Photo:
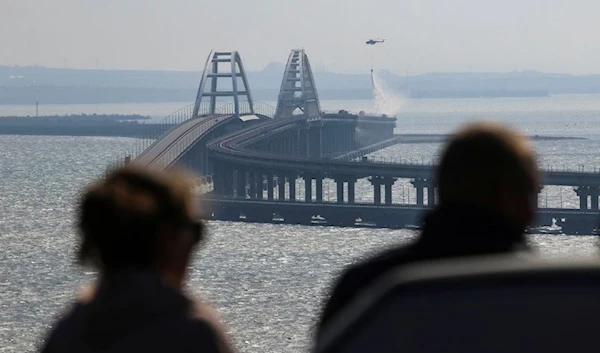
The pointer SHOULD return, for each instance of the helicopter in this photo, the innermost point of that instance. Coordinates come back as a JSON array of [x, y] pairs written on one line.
[[374, 41]]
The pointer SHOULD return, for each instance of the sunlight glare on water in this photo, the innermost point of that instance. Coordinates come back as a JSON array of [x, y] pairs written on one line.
[[267, 281]]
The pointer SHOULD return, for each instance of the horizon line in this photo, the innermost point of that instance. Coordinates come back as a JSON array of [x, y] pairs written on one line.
[[315, 70]]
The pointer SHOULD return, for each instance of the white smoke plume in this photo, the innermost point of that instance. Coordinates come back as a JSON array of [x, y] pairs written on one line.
[[387, 101]]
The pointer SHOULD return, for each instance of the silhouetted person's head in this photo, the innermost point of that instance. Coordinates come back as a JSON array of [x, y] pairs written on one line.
[[139, 219], [492, 167]]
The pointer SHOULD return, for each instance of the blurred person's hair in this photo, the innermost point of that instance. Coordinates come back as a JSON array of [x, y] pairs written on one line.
[[122, 216], [485, 162]]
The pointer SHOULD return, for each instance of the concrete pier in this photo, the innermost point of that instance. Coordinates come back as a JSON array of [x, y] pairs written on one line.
[[292, 183], [340, 190], [319, 185], [308, 189], [281, 185], [420, 185], [270, 186]]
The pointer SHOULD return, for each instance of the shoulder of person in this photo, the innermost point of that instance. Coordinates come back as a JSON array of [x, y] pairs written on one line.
[[354, 278], [207, 326], [62, 329], [379, 263]]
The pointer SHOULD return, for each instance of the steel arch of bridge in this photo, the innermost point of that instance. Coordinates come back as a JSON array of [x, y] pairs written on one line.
[[211, 72], [298, 90]]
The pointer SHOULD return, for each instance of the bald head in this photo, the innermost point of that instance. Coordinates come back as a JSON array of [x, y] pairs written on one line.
[[490, 166]]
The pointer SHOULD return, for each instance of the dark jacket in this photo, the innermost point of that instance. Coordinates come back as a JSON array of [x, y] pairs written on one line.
[[450, 231], [136, 312]]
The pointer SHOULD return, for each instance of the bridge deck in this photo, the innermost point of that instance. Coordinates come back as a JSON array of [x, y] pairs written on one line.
[[167, 148], [230, 149], [361, 152]]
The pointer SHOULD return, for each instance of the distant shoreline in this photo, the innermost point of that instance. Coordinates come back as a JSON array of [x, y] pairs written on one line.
[[121, 125], [70, 118], [24, 85], [454, 94], [440, 138], [117, 95]]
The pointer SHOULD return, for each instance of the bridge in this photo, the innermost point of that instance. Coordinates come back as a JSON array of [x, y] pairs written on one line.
[[183, 144], [249, 149]]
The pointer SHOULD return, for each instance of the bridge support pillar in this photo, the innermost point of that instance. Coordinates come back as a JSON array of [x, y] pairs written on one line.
[[258, 179], [583, 192], [431, 194], [388, 183], [319, 185], [241, 184], [281, 186], [227, 180], [292, 181], [420, 185], [252, 184], [536, 202], [583, 202], [351, 181], [351, 190], [270, 186], [376, 182], [340, 190], [217, 179], [594, 194], [377, 193], [307, 188]]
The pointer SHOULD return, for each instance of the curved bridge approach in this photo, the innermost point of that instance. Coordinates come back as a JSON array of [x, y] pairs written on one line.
[[251, 161], [184, 144]]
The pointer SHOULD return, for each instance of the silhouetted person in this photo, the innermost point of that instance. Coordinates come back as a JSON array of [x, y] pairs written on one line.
[[138, 229], [487, 192]]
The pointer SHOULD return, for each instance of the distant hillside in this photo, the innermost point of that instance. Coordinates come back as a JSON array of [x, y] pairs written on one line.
[[268, 78], [25, 85], [512, 81]]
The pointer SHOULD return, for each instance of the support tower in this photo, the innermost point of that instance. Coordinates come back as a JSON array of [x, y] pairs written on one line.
[[234, 69], [298, 91]]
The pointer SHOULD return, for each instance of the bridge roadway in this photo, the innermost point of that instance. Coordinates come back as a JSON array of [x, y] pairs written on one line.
[[172, 145], [165, 149], [381, 216], [348, 156], [232, 150]]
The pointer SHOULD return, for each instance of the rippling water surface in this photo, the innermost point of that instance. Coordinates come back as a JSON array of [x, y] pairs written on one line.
[[266, 280]]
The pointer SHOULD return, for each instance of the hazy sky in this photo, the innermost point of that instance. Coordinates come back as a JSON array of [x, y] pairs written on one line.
[[421, 35]]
